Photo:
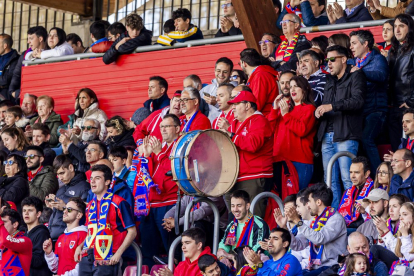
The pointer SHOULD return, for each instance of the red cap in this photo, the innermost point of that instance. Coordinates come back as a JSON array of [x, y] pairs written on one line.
[[243, 96], [12, 205], [177, 93]]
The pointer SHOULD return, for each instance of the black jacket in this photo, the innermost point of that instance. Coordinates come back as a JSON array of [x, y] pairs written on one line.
[[38, 235], [361, 13], [347, 98], [402, 77], [157, 104], [78, 156], [144, 39], [49, 154], [302, 44], [123, 140], [233, 31], [6, 77], [14, 188], [77, 187], [17, 74]]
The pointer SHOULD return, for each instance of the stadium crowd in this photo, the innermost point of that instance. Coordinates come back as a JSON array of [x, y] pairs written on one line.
[[75, 196]]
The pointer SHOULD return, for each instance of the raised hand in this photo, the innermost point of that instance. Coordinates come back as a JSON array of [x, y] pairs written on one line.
[[279, 218]]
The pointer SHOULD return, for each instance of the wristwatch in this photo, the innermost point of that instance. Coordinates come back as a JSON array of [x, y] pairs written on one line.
[[300, 223]]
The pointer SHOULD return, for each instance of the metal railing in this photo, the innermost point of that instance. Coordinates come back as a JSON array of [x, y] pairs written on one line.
[[139, 258], [332, 162], [171, 252], [266, 195]]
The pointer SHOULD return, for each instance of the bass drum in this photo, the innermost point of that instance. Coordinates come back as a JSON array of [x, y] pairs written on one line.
[[205, 163]]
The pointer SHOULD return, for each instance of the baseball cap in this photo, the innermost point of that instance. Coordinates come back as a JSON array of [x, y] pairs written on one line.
[[177, 93], [377, 194], [12, 205], [243, 96]]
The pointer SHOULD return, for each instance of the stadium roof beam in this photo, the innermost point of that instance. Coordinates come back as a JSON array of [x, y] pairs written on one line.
[[81, 7]]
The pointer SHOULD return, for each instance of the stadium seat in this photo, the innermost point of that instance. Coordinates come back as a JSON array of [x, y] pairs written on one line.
[[155, 268], [132, 270]]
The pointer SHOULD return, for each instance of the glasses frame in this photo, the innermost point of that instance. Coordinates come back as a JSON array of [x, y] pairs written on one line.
[[70, 209], [335, 58]]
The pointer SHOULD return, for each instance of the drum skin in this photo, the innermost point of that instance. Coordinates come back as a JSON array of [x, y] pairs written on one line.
[[205, 163]]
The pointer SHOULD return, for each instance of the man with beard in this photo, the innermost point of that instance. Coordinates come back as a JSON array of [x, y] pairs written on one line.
[[42, 180], [62, 261]]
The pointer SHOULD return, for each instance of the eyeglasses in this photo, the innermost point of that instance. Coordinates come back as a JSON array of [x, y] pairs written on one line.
[[234, 77], [88, 127], [186, 100], [332, 59], [91, 150], [69, 209], [163, 127], [266, 41], [228, 5], [31, 156], [397, 160], [382, 173], [286, 21], [9, 162]]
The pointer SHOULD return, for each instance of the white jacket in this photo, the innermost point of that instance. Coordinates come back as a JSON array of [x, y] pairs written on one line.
[[92, 112], [62, 50], [406, 245]]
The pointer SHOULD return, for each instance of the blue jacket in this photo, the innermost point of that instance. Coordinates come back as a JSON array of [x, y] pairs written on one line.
[[288, 265], [398, 186], [308, 18], [157, 104], [129, 177], [361, 13], [376, 72]]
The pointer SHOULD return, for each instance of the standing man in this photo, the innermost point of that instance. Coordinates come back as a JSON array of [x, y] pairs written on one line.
[[309, 67], [355, 12], [8, 61], [268, 44], [226, 117], [157, 94], [192, 119], [227, 27]]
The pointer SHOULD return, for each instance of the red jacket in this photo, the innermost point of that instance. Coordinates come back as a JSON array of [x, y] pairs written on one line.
[[254, 142], [161, 164], [263, 82], [16, 253], [188, 268], [200, 122], [102, 47], [229, 117], [294, 134], [151, 125]]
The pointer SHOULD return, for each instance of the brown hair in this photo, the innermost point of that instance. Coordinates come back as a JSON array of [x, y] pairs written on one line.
[[350, 263], [343, 40], [410, 207], [13, 132], [50, 101], [306, 90], [390, 174], [16, 111], [134, 21]]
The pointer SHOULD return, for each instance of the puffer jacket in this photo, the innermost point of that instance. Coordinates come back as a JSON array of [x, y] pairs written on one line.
[[53, 122], [14, 189], [92, 112], [122, 140], [44, 183], [6, 77]]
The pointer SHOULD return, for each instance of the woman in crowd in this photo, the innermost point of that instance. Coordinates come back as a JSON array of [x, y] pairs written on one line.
[[14, 187], [57, 44], [383, 176], [341, 39], [47, 116], [294, 126], [387, 34], [404, 247], [238, 76], [242, 267], [320, 42], [118, 134], [14, 141]]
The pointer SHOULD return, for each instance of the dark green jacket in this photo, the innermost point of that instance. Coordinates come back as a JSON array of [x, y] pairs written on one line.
[[44, 183], [53, 122]]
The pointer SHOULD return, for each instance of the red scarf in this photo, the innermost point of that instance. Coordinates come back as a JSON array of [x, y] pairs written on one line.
[[31, 175], [410, 143], [285, 49], [245, 234]]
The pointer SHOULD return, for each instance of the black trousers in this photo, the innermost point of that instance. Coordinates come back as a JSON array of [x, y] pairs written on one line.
[[87, 267], [395, 126]]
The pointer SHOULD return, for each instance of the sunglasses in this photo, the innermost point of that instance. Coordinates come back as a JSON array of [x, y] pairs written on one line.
[[69, 209], [228, 5], [332, 59], [266, 41], [9, 162], [88, 127], [31, 156]]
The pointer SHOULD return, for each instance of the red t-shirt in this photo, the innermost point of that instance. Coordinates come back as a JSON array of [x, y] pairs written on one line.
[[229, 116]]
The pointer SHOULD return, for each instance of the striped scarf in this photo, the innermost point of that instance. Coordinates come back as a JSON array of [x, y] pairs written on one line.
[[295, 10], [285, 49]]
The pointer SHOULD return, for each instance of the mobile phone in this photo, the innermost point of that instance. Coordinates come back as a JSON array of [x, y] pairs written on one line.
[[207, 95], [341, 259], [49, 199]]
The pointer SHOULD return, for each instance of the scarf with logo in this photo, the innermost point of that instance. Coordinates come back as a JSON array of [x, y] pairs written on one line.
[[360, 62], [295, 10], [31, 175], [285, 49], [245, 235]]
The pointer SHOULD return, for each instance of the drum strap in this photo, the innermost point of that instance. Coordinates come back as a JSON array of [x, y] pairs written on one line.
[[177, 213]]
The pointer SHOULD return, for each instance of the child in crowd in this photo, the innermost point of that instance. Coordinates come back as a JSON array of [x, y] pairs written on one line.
[[14, 117], [404, 248], [240, 264], [387, 35], [357, 264]]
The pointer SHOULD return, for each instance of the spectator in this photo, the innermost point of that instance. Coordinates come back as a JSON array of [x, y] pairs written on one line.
[[240, 263], [262, 79], [136, 36], [209, 266], [294, 126], [14, 141], [100, 43], [268, 45], [309, 67], [284, 82], [140, 115], [37, 233], [4, 105], [383, 176], [320, 43], [18, 248], [238, 76], [42, 180], [115, 31], [76, 43], [341, 116], [37, 39], [355, 12], [193, 81], [61, 261], [14, 186], [246, 229], [255, 170], [190, 106], [401, 74], [120, 223], [119, 134], [47, 116], [312, 13], [343, 40], [41, 137], [14, 118], [292, 43], [379, 11], [94, 152], [9, 58], [387, 35], [57, 44], [408, 128], [28, 106], [157, 94], [277, 6], [375, 68], [118, 157], [226, 117], [402, 165], [227, 27], [74, 185]]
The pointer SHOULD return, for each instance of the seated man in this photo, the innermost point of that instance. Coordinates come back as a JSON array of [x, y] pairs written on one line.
[[192, 119], [16, 247], [236, 233], [76, 42], [226, 117], [293, 42], [127, 43], [42, 179], [29, 106], [227, 21], [100, 44], [40, 138], [408, 128], [115, 31], [157, 94], [355, 12], [9, 60], [61, 262], [402, 164], [350, 205], [311, 12]]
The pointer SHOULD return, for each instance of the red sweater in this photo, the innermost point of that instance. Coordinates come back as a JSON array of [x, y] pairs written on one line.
[[229, 117], [294, 134], [151, 125], [200, 122], [16, 253], [263, 82], [188, 268], [254, 142]]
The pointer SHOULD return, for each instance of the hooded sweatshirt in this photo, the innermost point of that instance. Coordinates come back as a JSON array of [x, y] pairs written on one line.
[[189, 268], [38, 235]]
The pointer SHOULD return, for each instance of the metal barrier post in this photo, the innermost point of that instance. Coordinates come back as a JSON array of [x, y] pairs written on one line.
[[332, 162], [139, 258], [171, 252], [264, 195], [216, 214]]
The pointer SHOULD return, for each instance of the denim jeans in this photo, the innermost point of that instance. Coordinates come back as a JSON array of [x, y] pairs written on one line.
[[305, 172], [340, 167], [314, 272], [373, 125]]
